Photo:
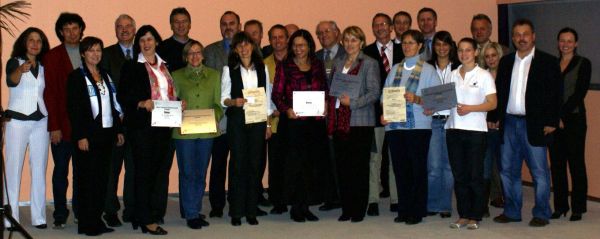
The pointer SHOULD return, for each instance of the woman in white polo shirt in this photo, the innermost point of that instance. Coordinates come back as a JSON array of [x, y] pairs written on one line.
[[465, 134]]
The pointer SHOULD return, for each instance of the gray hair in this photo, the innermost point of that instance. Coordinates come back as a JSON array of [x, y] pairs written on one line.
[[333, 24], [124, 16]]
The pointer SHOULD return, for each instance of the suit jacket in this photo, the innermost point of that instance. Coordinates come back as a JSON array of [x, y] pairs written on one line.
[[373, 52], [215, 57], [542, 95], [133, 88], [83, 123], [363, 109], [113, 59], [57, 67]]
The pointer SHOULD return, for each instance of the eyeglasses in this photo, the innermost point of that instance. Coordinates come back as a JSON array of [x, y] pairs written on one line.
[[194, 53]]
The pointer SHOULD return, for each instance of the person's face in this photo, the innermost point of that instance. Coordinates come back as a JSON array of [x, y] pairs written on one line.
[[254, 32], [491, 58], [401, 24], [481, 30], [427, 23], [466, 53], [71, 32], [148, 44], [181, 25], [125, 30], [194, 55], [410, 47], [327, 34], [229, 26], [33, 44], [523, 38], [300, 47], [352, 44], [244, 50], [567, 43], [278, 40], [441, 48], [381, 29], [93, 55]]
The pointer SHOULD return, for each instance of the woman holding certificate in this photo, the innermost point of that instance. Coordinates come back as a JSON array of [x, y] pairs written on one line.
[[245, 85], [144, 80], [466, 134], [200, 87], [302, 74], [351, 121], [409, 140], [95, 119]]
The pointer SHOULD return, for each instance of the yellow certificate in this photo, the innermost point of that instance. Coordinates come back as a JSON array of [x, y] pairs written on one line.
[[199, 121], [255, 108], [394, 104]]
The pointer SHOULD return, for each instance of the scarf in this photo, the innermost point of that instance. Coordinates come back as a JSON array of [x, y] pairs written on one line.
[[411, 86], [339, 119], [154, 87], [94, 97]]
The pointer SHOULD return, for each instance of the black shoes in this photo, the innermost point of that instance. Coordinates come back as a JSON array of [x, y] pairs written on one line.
[[296, 214], [400, 219], [260, 212], [343, 218], [557, 214], [216, 213], [158, 231], [357, 219], [445, 214], [413, 220], [329, 206], [252, 221], [41, 226], [279, 209], [310, 216], [538, 222], [236, 221], [112, 220], [505, 219], [575, 217], [373, 209], [197, 223]]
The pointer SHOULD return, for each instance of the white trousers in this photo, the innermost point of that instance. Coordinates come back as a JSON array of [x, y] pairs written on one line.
[[20, 134], [375, 170]]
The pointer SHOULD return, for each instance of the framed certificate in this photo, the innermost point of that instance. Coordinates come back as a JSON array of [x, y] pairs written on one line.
[[255, 108], [394, 104], [166, 114], [199, 121], [441, 97], [309, 103], [345, 84]]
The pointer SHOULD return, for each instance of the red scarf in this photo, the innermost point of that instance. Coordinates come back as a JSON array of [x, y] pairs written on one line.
[[154, 87]]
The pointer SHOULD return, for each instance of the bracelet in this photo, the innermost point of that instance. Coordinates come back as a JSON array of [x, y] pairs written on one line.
[[268, 126]]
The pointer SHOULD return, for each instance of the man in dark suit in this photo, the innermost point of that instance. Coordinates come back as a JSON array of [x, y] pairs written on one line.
[[215, 56], [113, 58], [329, 36], [528, 85], [387, 53]]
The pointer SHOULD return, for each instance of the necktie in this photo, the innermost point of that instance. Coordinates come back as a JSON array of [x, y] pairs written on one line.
[[427, 49], [128, 54], [384, 59], [328, 62]]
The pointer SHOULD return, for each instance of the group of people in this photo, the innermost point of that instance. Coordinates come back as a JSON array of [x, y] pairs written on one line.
[[94, 104]]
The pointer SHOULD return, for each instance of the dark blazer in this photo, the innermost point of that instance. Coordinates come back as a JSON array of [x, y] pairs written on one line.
[[373, 52], [542, 96], [83, 124], [113, 59], [133, 88]]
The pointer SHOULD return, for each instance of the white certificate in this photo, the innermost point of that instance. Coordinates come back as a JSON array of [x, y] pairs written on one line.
[[394, 104], [309, 103], [255, 108], [199, 121], [166, 113]]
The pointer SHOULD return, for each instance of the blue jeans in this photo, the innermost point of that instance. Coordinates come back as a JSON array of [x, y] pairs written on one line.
[[61, 153], [516, 147], [439, 174], [192, 160]]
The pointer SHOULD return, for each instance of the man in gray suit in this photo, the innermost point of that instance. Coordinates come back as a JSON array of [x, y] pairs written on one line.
[[329, 36], [215, 56]]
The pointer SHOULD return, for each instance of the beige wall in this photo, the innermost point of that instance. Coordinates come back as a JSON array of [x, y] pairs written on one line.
[[99, 17]]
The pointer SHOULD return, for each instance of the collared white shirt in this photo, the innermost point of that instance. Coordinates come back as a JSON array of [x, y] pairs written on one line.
[[398, 41], [332, 51], [107, 119], [445, 75], [125, 48], [249, 80], [471, 90], [162, 79], [389, 51], [518, 84]]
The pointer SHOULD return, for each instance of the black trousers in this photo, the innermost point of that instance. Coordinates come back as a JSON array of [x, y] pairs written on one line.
[[352, 160], [307, 150], [152, 163], [466, 152], [92, 169], [121, 156], [408, 151], [218, 173], [569, 147], [246, 142], [277, 150]]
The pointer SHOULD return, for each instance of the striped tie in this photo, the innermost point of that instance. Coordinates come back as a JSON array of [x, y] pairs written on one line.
[[384, 59]]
